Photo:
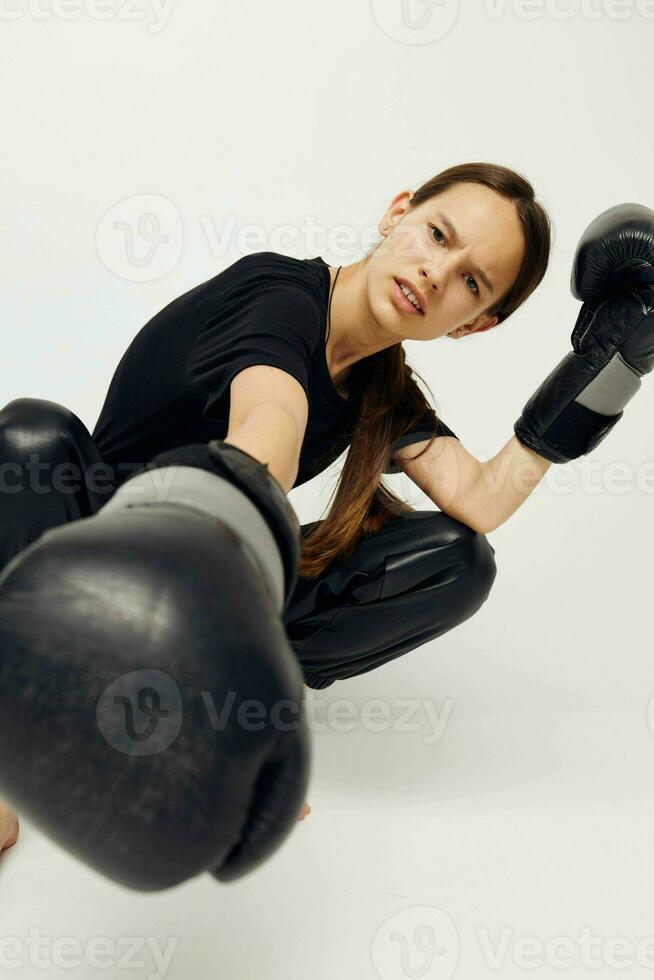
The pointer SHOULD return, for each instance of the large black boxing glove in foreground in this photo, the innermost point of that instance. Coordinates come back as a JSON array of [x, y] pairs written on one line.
[[613, 340], [150, 703]]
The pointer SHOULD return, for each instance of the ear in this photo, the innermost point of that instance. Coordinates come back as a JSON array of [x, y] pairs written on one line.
[[482, 322], [395, 211]]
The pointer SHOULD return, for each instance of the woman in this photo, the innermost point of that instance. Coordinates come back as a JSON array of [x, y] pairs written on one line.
[[292, 361]]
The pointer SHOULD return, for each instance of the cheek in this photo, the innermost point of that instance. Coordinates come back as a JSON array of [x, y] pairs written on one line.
[[454, 308], [454, 301], [378, 295], [406, 243], [378, 288]]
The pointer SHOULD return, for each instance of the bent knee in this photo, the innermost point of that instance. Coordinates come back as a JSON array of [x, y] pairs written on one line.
[[482, 566], [35, 425], [477, 554], [462, 548]]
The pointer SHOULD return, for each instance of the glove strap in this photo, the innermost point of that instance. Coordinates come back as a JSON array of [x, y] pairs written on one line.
[[576, 407], [193, 477]]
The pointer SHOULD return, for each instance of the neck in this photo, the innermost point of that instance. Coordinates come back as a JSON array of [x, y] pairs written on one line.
[[354, 333]]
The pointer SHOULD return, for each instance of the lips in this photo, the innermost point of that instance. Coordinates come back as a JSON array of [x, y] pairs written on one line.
[[416, 292]]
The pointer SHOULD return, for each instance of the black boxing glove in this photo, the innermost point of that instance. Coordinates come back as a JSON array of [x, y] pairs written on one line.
[[583, 398], [616, 251], [151, 717]]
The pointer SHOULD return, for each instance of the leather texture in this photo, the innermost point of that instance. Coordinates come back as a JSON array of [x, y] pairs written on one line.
[[584, 396], [422, 574], [151, 707], [152, 821], [616, 250], [450, 567]]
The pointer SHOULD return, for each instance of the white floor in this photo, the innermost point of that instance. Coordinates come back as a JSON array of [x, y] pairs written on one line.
[[517, 838]]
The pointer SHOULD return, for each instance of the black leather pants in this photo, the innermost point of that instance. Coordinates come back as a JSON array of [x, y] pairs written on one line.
[[421, 575]]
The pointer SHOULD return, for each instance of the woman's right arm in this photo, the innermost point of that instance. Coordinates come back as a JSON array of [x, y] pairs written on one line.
[[267, 418], [268, 414]]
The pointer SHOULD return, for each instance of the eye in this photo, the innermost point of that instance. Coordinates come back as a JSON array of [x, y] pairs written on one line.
[[439, 241], [475, 287]]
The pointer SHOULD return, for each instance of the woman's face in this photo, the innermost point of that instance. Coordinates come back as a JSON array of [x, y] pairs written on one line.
[[461, 250]]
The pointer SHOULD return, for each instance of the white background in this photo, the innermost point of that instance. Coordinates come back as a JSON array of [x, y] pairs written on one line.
[[533, 812]]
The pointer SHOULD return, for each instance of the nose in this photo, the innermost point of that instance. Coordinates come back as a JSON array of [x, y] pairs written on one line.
[[434, 275]]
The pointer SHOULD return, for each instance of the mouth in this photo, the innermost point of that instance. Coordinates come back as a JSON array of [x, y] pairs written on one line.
[[401, 287]]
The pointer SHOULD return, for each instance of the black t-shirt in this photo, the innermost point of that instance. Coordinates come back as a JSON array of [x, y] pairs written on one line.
[[171, 386]]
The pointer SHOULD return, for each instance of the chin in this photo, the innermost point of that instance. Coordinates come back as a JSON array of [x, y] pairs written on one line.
[[387, 318]]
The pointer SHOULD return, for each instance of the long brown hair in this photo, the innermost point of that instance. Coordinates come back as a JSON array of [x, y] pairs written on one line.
[[391, 401]]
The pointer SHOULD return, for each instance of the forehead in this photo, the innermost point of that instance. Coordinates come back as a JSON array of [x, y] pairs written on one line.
[[473, 205]]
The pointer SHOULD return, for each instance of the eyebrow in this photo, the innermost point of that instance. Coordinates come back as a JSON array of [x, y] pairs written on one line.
[[452, 232]]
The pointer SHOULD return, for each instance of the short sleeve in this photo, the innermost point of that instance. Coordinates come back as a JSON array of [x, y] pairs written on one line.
[[429, 425], [280, 325]]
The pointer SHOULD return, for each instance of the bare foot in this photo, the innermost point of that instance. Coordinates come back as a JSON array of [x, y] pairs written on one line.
[[9, 827]]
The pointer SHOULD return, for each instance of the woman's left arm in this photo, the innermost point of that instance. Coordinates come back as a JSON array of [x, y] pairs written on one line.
[[482, 495], [581, 399]]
